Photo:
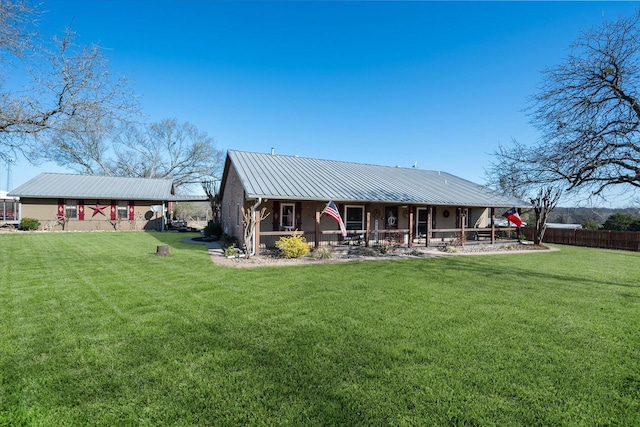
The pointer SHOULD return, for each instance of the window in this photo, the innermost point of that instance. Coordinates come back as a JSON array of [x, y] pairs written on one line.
[[464, 213], [71, 209], [287, 216], [354, 217], [421, 223], [123, 210]]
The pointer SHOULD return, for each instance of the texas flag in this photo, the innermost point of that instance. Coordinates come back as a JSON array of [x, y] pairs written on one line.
[[512, 215]]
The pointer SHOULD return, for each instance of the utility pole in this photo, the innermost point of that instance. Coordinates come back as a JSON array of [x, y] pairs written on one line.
[[10, 162]]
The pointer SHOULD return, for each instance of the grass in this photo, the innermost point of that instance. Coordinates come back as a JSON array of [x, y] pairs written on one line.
[[96, 330]]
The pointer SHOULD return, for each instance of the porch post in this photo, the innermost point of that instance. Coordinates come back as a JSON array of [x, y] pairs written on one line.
[[367, 223], [411, 224], [462, 220], [317, 234], [428, 236], [493, 225]]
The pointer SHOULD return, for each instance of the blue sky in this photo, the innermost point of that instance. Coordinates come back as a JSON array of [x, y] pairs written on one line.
[[439, 84]]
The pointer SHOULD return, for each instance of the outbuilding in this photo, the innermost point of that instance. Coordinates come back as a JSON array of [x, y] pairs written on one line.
[[91, 202]]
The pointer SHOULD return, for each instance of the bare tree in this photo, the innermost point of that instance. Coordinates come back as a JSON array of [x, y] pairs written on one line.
[[250, 219], [68, 89], [16, 31], [588, 111], [211, 190], [167, 149], [543, 203], [514, 172]]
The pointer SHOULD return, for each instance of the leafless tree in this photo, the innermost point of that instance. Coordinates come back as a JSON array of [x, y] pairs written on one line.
[[515, 173], [543, 203], [211, 190], [250, 219], [167, 149], [588, 112], [62, 87]]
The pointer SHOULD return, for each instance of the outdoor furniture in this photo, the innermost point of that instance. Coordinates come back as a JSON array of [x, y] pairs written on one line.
[[353, 239], [484, 234]]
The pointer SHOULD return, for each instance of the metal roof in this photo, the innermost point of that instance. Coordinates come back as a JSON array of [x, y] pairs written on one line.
[[73, 186], [292, 177]]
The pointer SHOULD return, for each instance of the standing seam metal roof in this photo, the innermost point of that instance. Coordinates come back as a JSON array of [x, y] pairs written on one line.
[[73, 186], [292, 177]]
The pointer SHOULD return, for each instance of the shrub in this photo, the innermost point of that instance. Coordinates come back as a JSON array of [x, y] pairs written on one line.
[[228, 241], [29, 224], [590, 224], [293, 246], [364, 251], [618, 221], [231, 251], [322, 253], [213, 229]]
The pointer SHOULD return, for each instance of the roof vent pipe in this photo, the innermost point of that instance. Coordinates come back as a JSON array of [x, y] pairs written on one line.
[[273, 151]]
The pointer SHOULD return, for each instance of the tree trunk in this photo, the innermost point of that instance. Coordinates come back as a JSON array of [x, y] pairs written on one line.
[[162, 250]]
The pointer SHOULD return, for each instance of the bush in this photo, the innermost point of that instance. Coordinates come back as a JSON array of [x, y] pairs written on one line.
[[29, 224], [322, 253], [364, 251], [231, 251], [213, 229], [293, 246], [590, 224], [228, 241], [618, 221]]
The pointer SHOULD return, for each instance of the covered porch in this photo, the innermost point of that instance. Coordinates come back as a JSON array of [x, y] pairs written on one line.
[[377, 225]]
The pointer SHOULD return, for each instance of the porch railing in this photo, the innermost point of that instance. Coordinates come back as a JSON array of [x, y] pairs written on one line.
[[399, 237]]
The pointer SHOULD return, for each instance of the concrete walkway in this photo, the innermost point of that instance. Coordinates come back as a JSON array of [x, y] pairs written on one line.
[[214, 248]]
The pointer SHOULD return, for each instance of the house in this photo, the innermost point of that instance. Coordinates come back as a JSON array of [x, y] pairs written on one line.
[[378, 204], [90, 202]]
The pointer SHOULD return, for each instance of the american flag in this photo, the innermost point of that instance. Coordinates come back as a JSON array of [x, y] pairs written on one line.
[[333, 212]]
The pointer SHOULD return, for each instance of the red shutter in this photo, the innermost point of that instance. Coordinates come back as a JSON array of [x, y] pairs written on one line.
[[114, 210], [131, 210], [60, 209], [299, 215], [81, 210]]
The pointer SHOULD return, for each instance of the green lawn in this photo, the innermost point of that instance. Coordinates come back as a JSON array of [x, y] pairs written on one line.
[[96, 330]]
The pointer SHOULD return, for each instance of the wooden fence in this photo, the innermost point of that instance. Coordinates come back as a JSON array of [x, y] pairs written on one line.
[[624, 240]]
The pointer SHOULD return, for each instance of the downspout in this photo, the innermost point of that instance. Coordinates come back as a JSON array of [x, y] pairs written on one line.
[[253, 234]]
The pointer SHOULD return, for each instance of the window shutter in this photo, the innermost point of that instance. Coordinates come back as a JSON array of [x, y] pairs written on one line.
[[299, 215], [60, 209], [81, 210], [114, 210], [276, 215], [131, 210]]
